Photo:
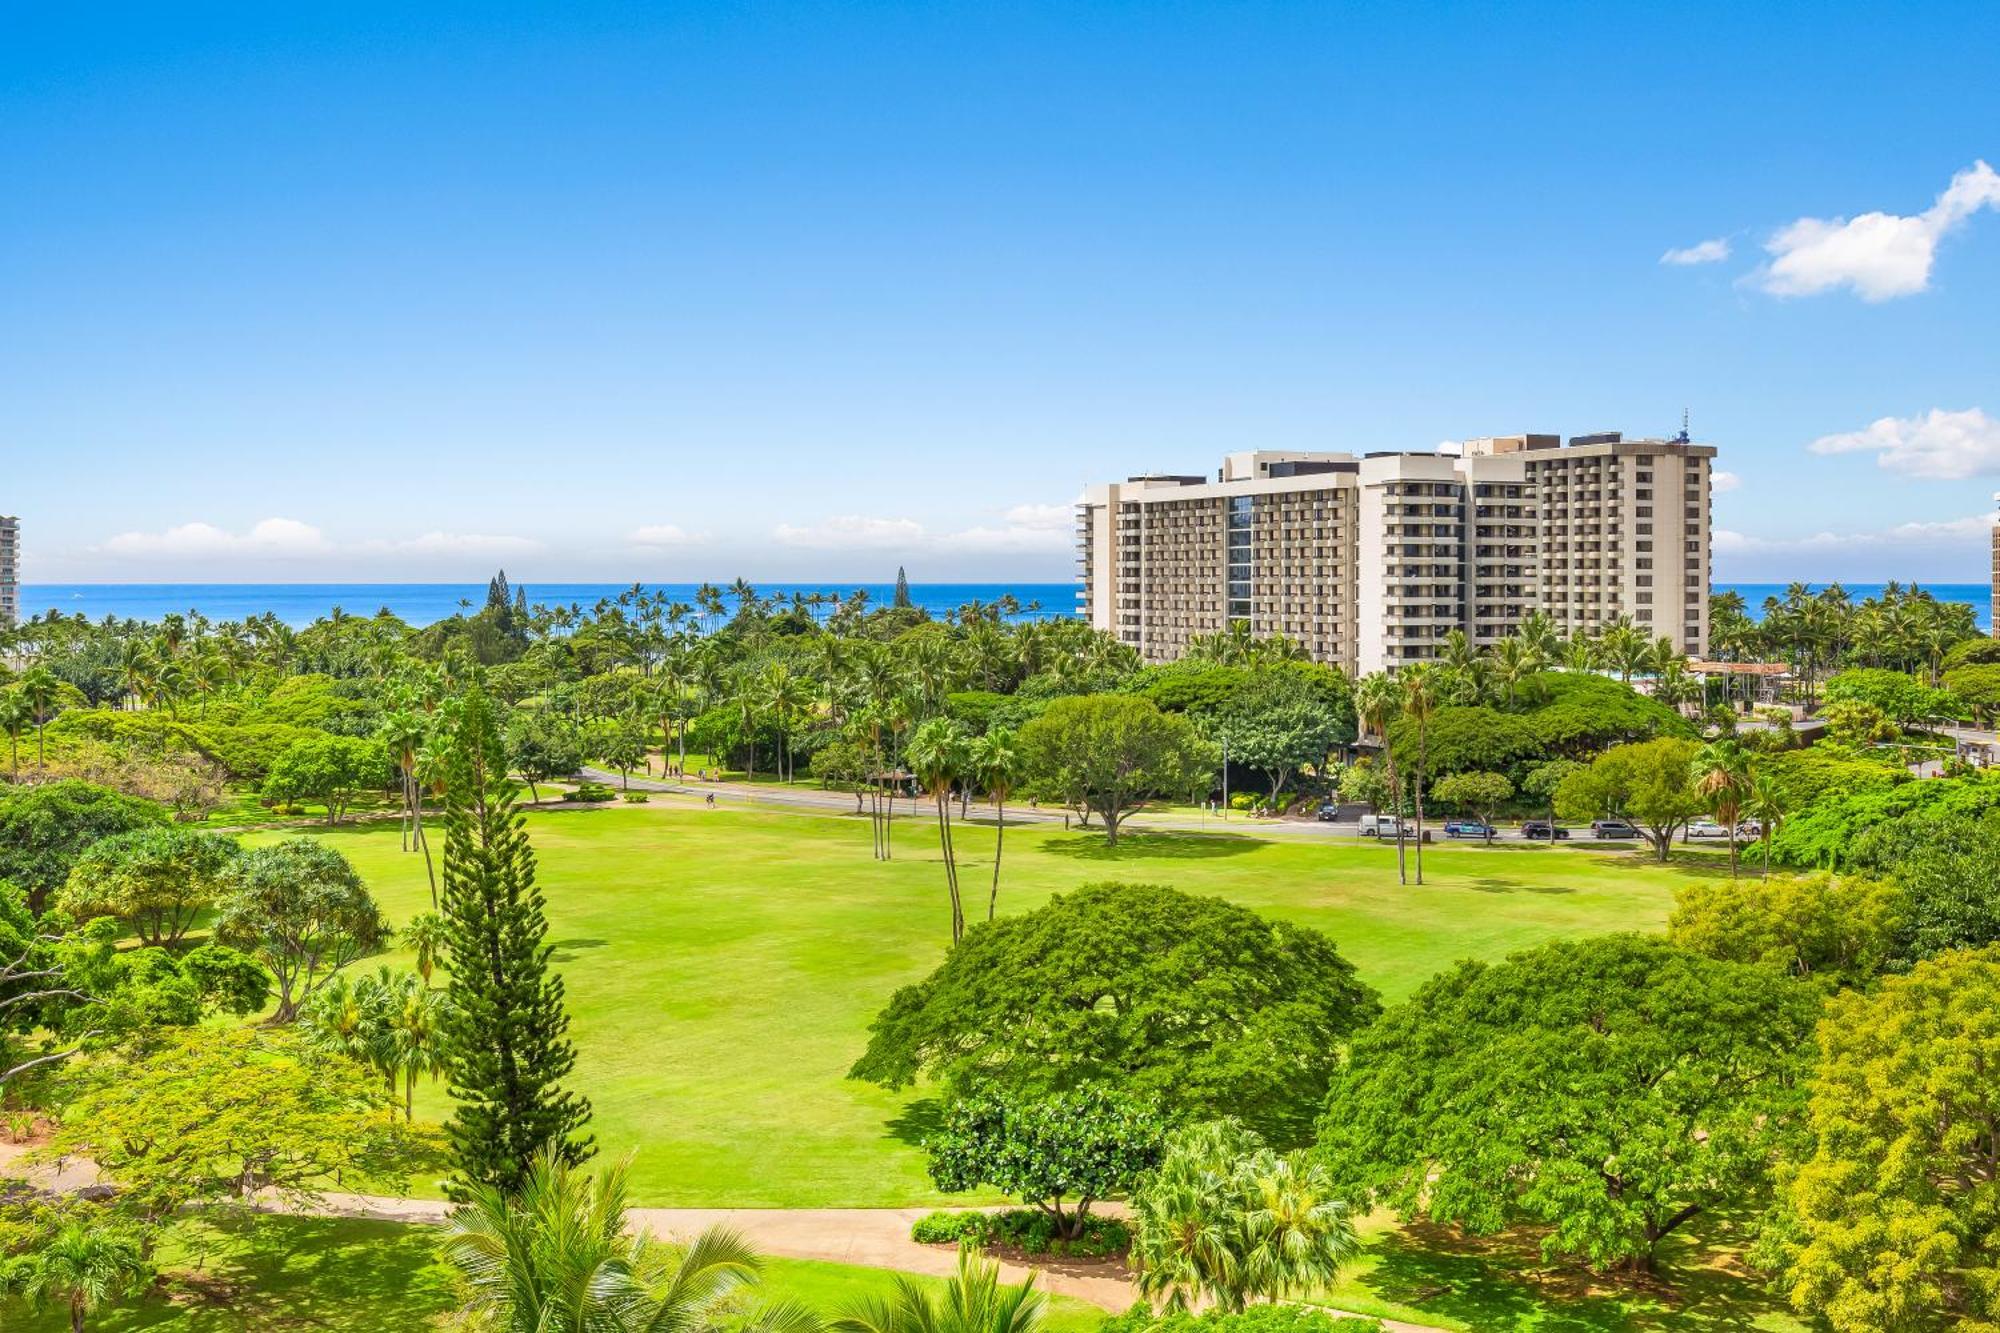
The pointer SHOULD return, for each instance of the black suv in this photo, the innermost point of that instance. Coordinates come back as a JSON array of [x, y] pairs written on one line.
[[1542, 829]]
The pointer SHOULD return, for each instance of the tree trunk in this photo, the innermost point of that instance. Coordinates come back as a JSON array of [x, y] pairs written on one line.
[[999, 845]]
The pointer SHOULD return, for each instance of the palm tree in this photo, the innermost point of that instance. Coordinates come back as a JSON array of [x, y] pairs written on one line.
[[1377, 702], [425, 935], [972, 1301], [555, 1258], [1419, 686], [40, 687], [1768, 806], [1297, 1235], [937, 756], [86, 1267], [1722, 775], [16, 716], [998, 765], [416, 1031]]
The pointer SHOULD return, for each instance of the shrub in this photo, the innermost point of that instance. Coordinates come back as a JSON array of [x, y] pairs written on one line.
[[1028, 1230], [591, 793], [1257, 1319], [636, 798]]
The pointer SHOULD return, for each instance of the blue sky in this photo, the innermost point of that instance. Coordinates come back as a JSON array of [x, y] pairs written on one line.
[[812, 290]]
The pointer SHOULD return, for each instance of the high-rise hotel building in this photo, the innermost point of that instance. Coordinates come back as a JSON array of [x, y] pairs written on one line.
[[10, 571], [1371, 562]]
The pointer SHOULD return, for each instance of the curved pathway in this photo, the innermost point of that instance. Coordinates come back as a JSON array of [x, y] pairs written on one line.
[[866, 1237]]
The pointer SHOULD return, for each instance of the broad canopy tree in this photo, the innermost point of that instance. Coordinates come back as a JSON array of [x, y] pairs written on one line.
[[157, 879], [1652, 783], [1108, 753], [301, 909], [1199, 1004], [1610, 1089]]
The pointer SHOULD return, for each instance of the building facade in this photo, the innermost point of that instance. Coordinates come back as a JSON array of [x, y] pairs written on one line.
[[10, 571], [1372, 562]]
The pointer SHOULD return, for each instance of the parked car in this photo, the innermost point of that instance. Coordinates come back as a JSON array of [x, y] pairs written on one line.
[[1543, 830], [1749, 830], [1467, 828], [1328, 812], [1612, 828], [1703, 828], [1378, 826]]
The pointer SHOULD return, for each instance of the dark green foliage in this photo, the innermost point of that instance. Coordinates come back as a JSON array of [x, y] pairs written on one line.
[[1903, 699], [1460, 739], [1286, 1318], [1190, 685], [541, 747], [1980, 650], [902, 600], [1574, 713], [1197, 1003], [1079, 1146], [44, 830], [157, 879], [1946, 864], [1830, 832], [591, 793], [301, 909], [1024, 1229], [1611, 1089], [331, 770], [1107, 753], [1977, 684], [506, 1042], [974, 709]]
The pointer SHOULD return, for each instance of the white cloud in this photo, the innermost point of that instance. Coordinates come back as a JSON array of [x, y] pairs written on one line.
[[282, 537], [452, 543], [1947, 446], [661, 534], [289, 539], [1936, 533], [1878, 255], [1025, 529], [1724, 482], [1702, 252], [852, 532]]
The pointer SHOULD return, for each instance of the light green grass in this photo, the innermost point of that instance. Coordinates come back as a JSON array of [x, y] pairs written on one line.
[[355, 1276], [723, 965]]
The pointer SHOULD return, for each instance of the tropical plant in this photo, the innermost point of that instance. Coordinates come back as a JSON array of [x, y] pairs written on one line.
[[973, 1300], [85, 1266]]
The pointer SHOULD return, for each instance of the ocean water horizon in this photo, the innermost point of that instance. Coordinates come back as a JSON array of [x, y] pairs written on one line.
[[299, 604]]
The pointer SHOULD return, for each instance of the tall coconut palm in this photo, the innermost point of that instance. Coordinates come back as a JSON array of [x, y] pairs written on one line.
[[40, 688], [1722, 775], [415, 1014], [425, 936], [85, 1267], [974, 1300], [1418, 682], [1378, 701], [1768, 806], [938, 758], [997, 763], [16, 716], [555, 1258]]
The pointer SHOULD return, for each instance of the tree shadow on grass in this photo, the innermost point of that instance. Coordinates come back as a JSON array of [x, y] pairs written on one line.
[[1090, 846], [268, 1272], [567, 951], [1492, 885], [1501, 1282], [917, 1121]]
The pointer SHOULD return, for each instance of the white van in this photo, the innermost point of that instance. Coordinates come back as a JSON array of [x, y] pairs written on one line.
[[1378, 826]]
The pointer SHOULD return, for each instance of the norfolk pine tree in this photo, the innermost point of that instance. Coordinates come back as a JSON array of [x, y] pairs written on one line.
[[505, 1043]]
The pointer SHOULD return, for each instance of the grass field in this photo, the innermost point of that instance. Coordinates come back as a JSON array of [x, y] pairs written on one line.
[[722, 966], [353, 1276]]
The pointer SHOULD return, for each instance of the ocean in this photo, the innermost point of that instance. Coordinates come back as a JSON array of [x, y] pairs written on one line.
[[300, 604]]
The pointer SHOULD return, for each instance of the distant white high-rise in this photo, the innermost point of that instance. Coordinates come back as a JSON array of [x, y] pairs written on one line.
[[10, 570], [1370, 562]]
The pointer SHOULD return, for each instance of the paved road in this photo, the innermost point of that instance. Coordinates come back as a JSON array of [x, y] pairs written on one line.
[[812, 801]]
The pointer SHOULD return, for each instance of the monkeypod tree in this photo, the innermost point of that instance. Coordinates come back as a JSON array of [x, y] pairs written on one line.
[[1610, 1089], [1108, 753], [1201, 1005]]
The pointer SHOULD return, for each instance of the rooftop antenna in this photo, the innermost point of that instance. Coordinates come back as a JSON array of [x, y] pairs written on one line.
[[1682, 438]]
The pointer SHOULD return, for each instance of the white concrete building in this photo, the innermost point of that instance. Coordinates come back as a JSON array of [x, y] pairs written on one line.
[[10, 570], [1371, 562]]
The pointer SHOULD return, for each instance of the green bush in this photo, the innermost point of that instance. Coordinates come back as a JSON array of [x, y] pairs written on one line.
[[591, 793], [1257, 1319], [636, 798], [1028, 1230]]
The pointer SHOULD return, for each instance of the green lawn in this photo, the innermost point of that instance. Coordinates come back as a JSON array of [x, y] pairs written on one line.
[[353, 1276], [723, 965]]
